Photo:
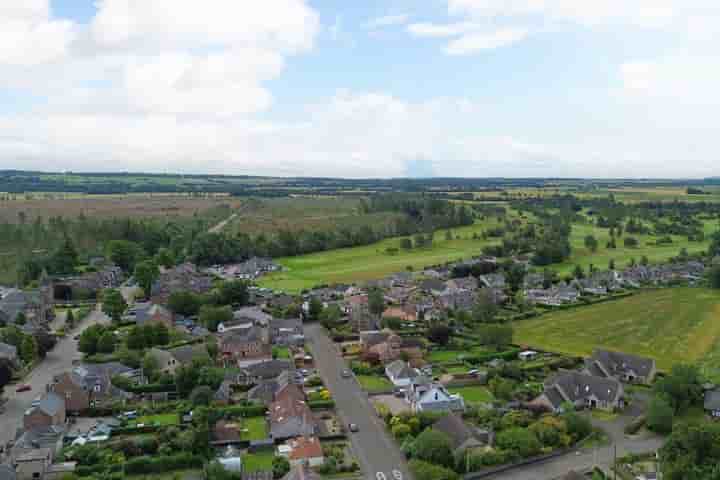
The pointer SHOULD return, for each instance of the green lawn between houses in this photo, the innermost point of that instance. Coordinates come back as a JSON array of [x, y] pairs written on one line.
[[258, 462], [671, 325], [256, 428], [191, 474], [373, 383], [473, 394], [163, 419]]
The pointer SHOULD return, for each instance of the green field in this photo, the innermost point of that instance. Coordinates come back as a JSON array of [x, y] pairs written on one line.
[[163, 419], [371, 261], [256, 428], [671, 325], [372, 383], [622, 255], [258, 462], [474, 394]]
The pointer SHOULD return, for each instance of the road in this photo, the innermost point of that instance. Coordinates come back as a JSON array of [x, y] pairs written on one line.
[[220, 226], [378, 454], [57, 361]]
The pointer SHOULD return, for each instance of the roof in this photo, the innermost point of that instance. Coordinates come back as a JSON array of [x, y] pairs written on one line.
[[433, 284], [7, 351], [574, 386], [305, 447], [712, 400], [7, 472], [51, 404], [456, 429], [301, 473], [268, 369], [401, 369], [290, 415], [149, 311], [613, 362], [254, 314], [187, 353]]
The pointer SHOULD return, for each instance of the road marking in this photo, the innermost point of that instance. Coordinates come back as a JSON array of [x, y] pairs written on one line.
[[397, 474], [380, 476]]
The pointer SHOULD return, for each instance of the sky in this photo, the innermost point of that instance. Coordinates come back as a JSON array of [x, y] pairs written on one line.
[[361, 89]]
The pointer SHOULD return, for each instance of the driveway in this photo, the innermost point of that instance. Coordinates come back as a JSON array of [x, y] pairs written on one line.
[[378, 454], [58, 360]]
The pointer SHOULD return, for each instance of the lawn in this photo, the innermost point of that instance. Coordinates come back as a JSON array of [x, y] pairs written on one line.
[[441, 356], [191, 474], [671, 325], [163, 419], [373, 383], [258, 462], [474, 394], [282, 353], [371, 261], [256, 428]]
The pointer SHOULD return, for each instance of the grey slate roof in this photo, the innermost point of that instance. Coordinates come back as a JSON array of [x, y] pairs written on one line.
[[51, 404], [575, 386], [712, 400], [267, 370], [187, 353], [457, 430], [616, 362]]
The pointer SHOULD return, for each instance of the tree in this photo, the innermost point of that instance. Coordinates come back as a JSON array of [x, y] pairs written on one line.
[[6, 373], [280, 467], [165, 258], [515, 276], [12, 336], [89, 338], [448, 235], [211, 316], [124, 253], [591, 243], [184, 303], [376, 301], [64, 260], [151, 367], [330, 316], [315, 309], [146, 273], [136, 338], [681, 388], [28, 349], [157, 334], [70, 320], [611, 264], [201, 395], [714, 276], [549, 277], [106, 343], [644, 261], [20, 319], [433, 446], [113, 304], [234, 293], [660, 415], [578, 272], [427, 471], [578, 427], [520, 440], [406, 244], [691, 452], [186, 379], [439, 334], [484, 310], [631, 242], [495, 335], [393, 323]]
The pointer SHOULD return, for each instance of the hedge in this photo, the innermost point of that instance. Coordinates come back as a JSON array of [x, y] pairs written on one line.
[[322, 404], [506, 355], [88, 470], [162, 464], [135, 430], [243, 411], [152, 388]]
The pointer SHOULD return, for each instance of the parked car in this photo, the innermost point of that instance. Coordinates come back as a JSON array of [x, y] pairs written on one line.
[[346, 373], [23, 388], [353, 427]]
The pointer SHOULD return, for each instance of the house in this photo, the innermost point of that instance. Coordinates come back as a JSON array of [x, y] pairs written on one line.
[[262, 371], [458, 299], [36, 305], [385, 344], [41, 437], [245, 346], [463, 437], [33, 464], [286, 331], [404, 313], [48, 412], [8, 352], [581, 390], [712, 403], [265, 391], [493, 280], [433, 286], [252, 315], [463, 283], [290, 416], [170, 360], [425, 395], [303, 451], [400, 373], [359, 310], [150, 313], [621, 366], [89, 384], [185, 277]]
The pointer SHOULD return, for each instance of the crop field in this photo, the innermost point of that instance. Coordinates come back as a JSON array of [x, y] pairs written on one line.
[[625, 194], [371, 261], [109, 206], [671, 325], [270, 215]]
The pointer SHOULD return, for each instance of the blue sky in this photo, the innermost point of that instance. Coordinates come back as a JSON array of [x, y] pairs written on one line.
[[377, 88]]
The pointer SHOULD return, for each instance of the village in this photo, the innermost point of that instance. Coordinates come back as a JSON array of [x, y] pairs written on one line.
[[209, 363]]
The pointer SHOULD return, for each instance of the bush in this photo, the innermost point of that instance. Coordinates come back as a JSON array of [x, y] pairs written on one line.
[[159, 464], [427, 471], [634, 427], [521, 440], [434, 447], [243, 411], [322, 404]]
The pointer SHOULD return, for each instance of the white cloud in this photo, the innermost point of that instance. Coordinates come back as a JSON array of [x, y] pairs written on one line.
[[387, 21], [29, 36], [442, 30], [475, 42]]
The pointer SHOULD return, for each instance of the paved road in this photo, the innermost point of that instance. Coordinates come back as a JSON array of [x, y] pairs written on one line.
[[378, 454], [57, 361]]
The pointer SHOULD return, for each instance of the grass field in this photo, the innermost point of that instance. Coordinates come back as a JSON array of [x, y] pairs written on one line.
[[440, 356], [258, 461], [474, 394], [256, 428], [371, 261], [164, 419], [671, 325], [372, 383]]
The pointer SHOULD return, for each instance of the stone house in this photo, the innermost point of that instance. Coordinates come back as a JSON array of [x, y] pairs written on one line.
[[290, 415], [48, 412], [244, 346]]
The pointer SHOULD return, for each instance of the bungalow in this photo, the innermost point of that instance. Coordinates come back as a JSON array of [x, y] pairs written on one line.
[[245, 346], [303, 451], [427, 396], [385, 344], [33, 464], [463, 437], [433, 286], [581, 390], [182, 277], [400, 373], [153, 313], [264, 370], [286, 331], [170, 360], [621, 366], [254, 315], [290, 415], [465, 283], [87, 385]]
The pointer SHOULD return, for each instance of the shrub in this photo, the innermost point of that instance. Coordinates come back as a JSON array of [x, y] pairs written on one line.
[[427, 471], [634, 427]]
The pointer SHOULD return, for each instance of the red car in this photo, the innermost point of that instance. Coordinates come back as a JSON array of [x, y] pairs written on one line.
[[23, 388]]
